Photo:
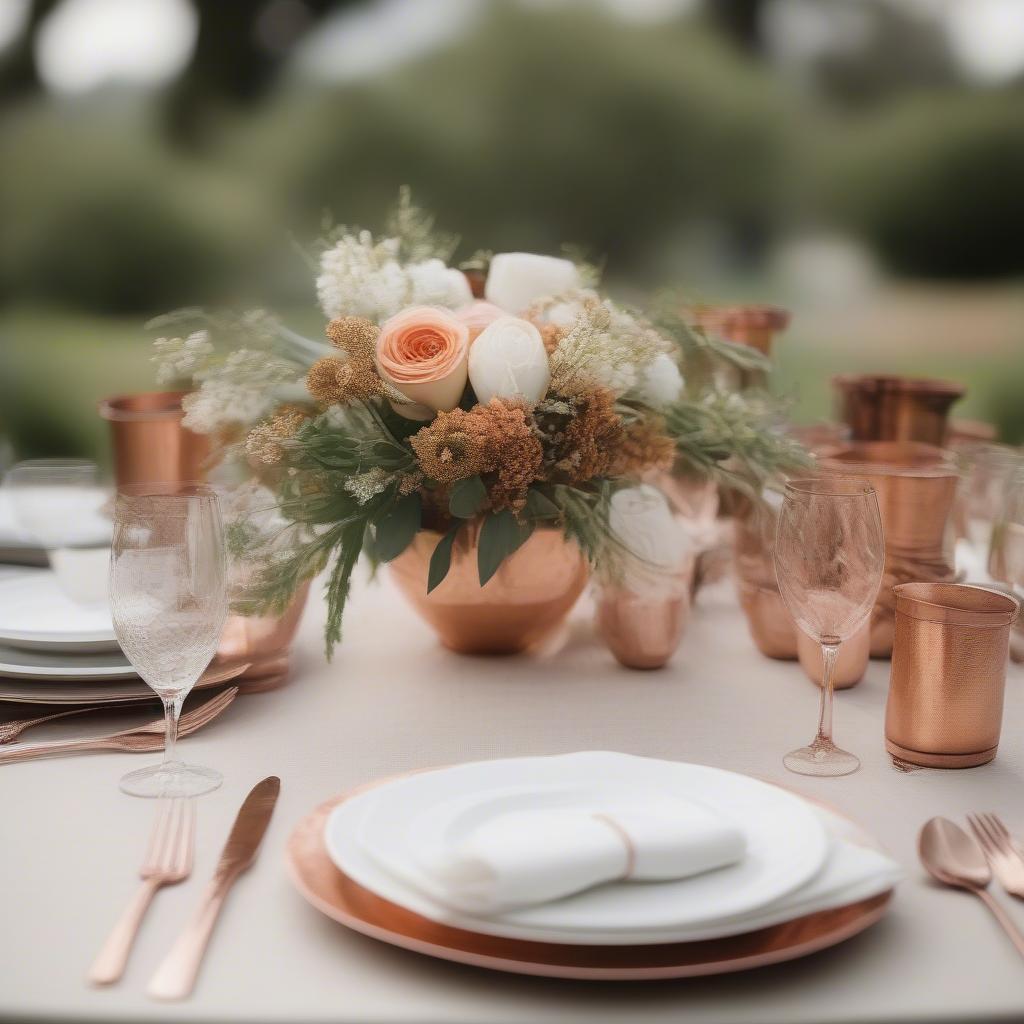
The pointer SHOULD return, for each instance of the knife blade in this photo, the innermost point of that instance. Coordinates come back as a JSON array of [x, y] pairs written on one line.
[[176, 976]]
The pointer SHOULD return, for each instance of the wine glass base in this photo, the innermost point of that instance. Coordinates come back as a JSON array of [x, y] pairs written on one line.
[[170, 780], [821, 758]]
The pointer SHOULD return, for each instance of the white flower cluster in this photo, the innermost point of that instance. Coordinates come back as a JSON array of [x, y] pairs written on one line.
[[609, 347], [360, 277], [180, 358], [241, 390]]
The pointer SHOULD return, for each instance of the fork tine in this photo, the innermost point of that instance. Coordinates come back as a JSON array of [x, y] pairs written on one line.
[[997, 823], [171, 839], [157, 834], [993, 838], [980, 834], [186, 847]]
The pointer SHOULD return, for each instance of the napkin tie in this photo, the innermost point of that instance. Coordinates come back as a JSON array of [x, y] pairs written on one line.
[[627, 842]]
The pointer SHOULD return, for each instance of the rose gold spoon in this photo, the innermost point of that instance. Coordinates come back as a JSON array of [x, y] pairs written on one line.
[[954, 858]]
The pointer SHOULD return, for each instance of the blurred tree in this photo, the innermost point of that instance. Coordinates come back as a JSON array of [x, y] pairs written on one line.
[[880, 49], [18, 73], [739, 20], [240, 47]]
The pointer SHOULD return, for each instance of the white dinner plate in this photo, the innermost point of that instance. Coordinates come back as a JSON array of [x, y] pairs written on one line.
[[95, 666], [35, 614], [368, 838]]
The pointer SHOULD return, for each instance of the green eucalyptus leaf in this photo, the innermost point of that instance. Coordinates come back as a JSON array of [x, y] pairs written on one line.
[[500, 536], [441, 559], [466, 498], [397, 529], [538, 506]]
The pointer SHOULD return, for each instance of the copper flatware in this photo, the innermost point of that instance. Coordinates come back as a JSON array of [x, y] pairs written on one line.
[[952, 857], [140, 739], [1003, 856], [16, 726], [168, 860], [176, 976]]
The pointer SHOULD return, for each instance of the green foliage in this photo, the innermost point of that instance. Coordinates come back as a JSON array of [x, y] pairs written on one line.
[[467, 497], [501, 535], [731, 437], [933, 183], [441, 559], [395, 531]]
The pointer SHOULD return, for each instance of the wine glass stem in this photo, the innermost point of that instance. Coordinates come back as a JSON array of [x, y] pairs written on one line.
[[829, 653], [172, 709]]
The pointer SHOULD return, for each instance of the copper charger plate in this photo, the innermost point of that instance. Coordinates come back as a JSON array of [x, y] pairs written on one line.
[[333, 893]]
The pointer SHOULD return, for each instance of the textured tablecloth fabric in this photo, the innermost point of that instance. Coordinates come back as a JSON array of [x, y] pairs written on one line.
[[392, 701]]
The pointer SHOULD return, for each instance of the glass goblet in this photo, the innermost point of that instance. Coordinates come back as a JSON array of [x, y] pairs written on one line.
[[169, 601], [829, 557]]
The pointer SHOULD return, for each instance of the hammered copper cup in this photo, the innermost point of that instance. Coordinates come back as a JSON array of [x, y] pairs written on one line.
[[916, 486], [887, 408], [945, 706], [150, 443]]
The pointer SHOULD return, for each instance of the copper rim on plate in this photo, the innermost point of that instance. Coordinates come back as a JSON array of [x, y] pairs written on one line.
[[333, 893]]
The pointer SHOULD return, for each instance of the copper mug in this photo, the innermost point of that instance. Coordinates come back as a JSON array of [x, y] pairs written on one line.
[[150, 443], [916, 486], [945, 706], [887, 408]]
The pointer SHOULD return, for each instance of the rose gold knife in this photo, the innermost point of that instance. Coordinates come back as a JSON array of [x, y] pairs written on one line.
[[176, 976]]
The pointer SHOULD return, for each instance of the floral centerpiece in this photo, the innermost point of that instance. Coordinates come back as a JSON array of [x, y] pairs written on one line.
[[431, 412]]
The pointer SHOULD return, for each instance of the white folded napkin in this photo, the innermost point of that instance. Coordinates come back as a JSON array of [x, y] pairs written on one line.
[[526, 857]]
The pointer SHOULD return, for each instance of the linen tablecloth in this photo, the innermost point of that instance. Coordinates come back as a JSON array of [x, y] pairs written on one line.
[[393, 700]]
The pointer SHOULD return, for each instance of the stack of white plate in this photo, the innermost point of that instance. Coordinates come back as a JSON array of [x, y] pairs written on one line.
[[799, 859], [56, 651]]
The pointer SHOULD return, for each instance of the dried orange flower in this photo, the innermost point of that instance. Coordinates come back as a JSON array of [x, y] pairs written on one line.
[[331, 380], [592, 437], [645, 446], [495, 438], [354, 335], [264, 440], [450, 449]]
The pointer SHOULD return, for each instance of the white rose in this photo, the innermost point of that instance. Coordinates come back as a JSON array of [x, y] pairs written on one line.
[[642, 521], [508, 360], [661, 383], [434, 284], [517, 279]]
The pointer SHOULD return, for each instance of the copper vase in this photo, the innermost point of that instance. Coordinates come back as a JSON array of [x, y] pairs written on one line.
[[771, 626], [524, 602], [945, 705], [150, 443], [916, 487], [886, 408], [263, 641], [753, 325]]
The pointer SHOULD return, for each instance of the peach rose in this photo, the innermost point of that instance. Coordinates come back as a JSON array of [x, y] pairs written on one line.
[[478, 315], [422, 352]]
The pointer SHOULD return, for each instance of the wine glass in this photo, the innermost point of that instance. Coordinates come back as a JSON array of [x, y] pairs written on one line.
[[62, 505], [829, 556], [168, 598]]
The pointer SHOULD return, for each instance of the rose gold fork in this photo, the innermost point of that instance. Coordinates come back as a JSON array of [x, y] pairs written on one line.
[[12, 729], [168, 860], [1006, 862], [141, 739]]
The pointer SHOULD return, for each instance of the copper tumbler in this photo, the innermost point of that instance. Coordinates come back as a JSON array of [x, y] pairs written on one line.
[[945, 706], [916, 485], [885, 408], [150, 443]]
